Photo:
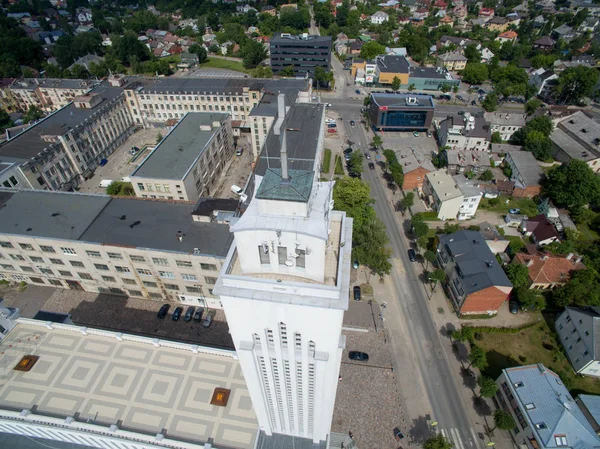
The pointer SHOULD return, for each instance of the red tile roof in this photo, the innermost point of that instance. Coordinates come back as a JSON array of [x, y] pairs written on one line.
[[547, 268]]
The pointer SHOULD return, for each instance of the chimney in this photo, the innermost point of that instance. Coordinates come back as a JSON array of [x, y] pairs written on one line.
[[569, 256], [284, 161], [280, 113], [530, 262]]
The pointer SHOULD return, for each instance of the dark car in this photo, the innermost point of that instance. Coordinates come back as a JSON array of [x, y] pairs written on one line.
[[348, 151], [357, 91], [189, 314], [513, 306], [461, 112], [356, 293], [331, 125], [163, 311], [352, 122], [103, 162], [354, 175], [371, 165], [412, 255], [360, 356], [367, 155], [459, 97], [198, 314], [177, 313]]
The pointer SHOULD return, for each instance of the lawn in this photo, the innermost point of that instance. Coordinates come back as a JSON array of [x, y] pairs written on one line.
[[224, 64], [527, 206], [326, 160], [587, 234], [536, 344], [339, 167], [516, 243]]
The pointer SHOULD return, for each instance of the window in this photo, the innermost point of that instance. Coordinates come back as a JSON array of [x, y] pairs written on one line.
[[166, 275], [183, 263], [94, 254], [540, 425], [210, 280], [6, 245], [530, 406], [518, 384], [143, 272], [47, 249], [57, 262], [122, 269], [100, 266], [189, 277], [76, 263], [69, 251], [282, 254], [26, 246], [37, 280], [263, 253], [129, 281], [35, 259], [193, 289], [171, 287], [208, 266], [27, 269], [65, 273], [18, 277], [137, 259], [114, 256], [301, 259], [560, 440], [47, 271], [55, 282], [16, 257], [155, 295], [135, 293], [108, 279], [85, 276], [7, 267], [160, 261], [149, 284]]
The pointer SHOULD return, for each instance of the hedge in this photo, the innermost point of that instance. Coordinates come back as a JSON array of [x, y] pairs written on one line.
[[326, 160], [503, 330]]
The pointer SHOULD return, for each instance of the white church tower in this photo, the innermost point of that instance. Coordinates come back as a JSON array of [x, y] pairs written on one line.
[[284, 289]]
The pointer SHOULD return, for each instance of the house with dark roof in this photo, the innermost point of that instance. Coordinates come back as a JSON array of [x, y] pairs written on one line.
[[547, 271], [589, 404], [545, 414], [498, 24], [464, 133], [577, 137], [540, 229], [544, 43], [543, 80], [475, 281], [578, 330], [526, 173], [390, 67]]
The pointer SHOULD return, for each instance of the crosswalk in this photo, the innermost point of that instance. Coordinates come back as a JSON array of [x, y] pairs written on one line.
[[462, 438]]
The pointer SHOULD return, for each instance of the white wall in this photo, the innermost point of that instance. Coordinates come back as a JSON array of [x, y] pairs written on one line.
[[448, 209], [468, 207]]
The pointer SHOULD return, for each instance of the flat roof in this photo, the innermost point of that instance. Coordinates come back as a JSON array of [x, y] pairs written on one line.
[[279, 38], [393, 64], [178, 151], [133, 384], [528, 167], [444, 186], [400, 101], [52, 83], [431, 73], [225, 85]]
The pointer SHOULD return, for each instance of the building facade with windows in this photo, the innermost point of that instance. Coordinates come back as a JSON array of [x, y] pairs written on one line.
[[464, 132], [578, 330], [48, 94], [188, 162], [133, 247], [304, 53]]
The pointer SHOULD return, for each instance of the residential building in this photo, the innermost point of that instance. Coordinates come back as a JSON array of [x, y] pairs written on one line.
[[460, 42], [389, 67], [61, 150], [564, 32], [464, 161], [431, 78], [544, 43], [547, 271], [447, 20], [442, 194], [486, 55], [464, 132], [453, 60], [504, 123], [124, 246], [187, 163], [589, 405], [577, 137], [475, 281], [86, 61], [543, 80], [578, 330], [304, 53], [472, 195], [545, 414], [401, 112], [379, 17], [526, 173], [7, 101], [495, 241], [507, 36], [540, 229], [415, 166], [498, 24], [486, 13], [48, 94]]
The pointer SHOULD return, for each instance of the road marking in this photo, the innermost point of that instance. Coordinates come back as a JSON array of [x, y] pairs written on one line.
[[474, 437], [455, 438]]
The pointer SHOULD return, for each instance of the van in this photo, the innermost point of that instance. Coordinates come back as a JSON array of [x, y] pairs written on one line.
[[105, 183], [237, 190]]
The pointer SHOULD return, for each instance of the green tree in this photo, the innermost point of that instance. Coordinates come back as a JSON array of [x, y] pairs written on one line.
[[355, 162], [496, 137], [445, 88], [323, 77], [114, 188], [79, 71], [377, 141], [472, 54], [253, 53], [477, 358], [487, 387], [430, 257], [287, 72], [437, 275], [353, 196], [490, 103], [372, 49], [199, 51], [583, 289], [32, 114], [475, 73], [408, 201], [487, 175], [529, 299], [438, 441], [411, 87], [532, 105], [420, 228], [575, 83], [517, 274], [159, 137], [128, 45], [5, 120], [572, 185], [539, 144], [396, 83], [503, 420]]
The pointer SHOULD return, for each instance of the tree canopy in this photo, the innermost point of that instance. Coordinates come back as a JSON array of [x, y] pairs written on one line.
[[573, 185], [518, 274], [575, 83], [372, 49], [583, 289], [438, 441]]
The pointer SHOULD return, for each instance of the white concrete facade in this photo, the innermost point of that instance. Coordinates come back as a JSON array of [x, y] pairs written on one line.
[[445, 196]]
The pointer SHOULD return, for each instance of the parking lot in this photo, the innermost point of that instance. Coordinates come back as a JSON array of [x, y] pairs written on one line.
[[401, 140], [121, 164]]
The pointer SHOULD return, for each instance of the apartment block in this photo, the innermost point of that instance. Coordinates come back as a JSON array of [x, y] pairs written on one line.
[[464, 132], [504, 123], [442, 194], [48, 94], [133, 247], [186, 164], [304, 53], [64, 148]]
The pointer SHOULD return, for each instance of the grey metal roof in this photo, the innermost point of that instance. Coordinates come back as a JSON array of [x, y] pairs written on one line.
[[296, 188], [399, 101], [26, 442], [392, 63], [54, 83], [583, 128], [179, 150], [278, 39], [528, 167], [477, 265], [498, 148], [505, 119], [225, 85], [552, 405], [268, 103], [279, 441], [592, 403], [571, 147], [430, 72], [155, 225], [29, 143], [49, 214]]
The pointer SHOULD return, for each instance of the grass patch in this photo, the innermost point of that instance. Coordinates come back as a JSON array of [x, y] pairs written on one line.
[[224, 64], [527, 205], [339, 168], [483, 316], [326, 160], [516, 243], [536, 344], [430, 215], [586, 234], [366, 289]]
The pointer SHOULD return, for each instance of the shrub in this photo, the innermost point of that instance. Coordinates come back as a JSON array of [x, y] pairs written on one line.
[[494, 202]]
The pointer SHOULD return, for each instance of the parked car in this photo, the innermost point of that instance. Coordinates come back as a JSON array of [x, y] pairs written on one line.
[[367, 155], [412, 255], [473, 103], [239, 151], [348, 150], [514, 211], [189, 314], [163, 311], [371, 165], [352, 122], [208, 319], [103, 162], [355, 264], [461, 112], [359, 356], [198, 314], [331, 125], [459, 97], [416, 133], [513, 306], [357, 91], [332, 130], [134, 151], [357, 295], [177, 313], [429, 134]]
